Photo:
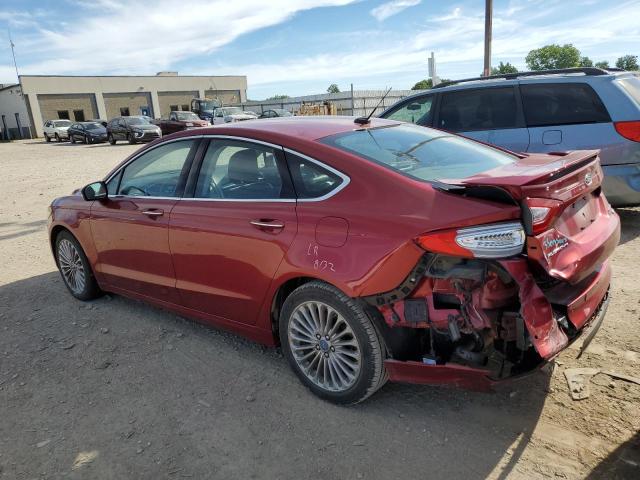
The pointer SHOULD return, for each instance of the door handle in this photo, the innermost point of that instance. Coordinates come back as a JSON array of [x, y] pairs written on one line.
[[267, 224], [153, 212]]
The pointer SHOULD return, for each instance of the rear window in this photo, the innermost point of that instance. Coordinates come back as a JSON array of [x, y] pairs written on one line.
[[632, 87], [478, 109], [562, 104], [310, 179], [421, 153]]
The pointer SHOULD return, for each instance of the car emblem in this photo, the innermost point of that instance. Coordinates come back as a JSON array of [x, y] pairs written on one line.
[[588, 179]]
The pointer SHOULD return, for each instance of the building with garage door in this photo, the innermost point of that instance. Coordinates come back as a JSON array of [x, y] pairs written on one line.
[[80, 98]]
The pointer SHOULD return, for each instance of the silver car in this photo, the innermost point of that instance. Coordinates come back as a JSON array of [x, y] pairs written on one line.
[[542, 112], [56, 130]]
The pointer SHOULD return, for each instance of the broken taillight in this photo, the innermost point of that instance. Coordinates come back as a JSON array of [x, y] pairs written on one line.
[[543, 212], [497, 240], [629, 130]]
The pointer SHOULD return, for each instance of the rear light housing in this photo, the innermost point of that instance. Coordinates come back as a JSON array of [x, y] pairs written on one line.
[[629, 130], [497, 240], [542, 213]]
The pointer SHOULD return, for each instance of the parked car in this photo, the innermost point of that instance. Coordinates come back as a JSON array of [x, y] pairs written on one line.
[[132, 129], [87, 132], [275, 112], [179, 121], [230, 115], [375, 251], [56, 129], [554, 110]]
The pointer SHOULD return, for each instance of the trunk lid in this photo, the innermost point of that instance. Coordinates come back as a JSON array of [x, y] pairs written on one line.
[[580, 229]]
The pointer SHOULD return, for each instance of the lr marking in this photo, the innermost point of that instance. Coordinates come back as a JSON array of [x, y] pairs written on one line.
[[319, 263]]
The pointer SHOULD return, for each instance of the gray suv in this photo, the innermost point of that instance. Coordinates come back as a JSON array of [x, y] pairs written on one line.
[[548, 111]]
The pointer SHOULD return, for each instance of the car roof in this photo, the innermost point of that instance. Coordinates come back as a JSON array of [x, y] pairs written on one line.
[[308, 128]]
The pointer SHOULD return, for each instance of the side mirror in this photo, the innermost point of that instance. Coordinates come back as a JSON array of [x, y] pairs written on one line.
[[414, 106], [95, 191]]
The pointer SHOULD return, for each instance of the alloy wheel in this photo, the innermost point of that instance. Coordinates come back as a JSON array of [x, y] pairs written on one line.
[[71, 266], [324, 346]]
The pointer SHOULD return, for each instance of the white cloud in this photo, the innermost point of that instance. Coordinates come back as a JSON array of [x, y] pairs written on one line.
[[389, 9]]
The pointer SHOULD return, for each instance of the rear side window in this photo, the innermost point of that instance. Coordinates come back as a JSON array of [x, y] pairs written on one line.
[[632, 87], [310, 179], [562, 104], [478, 109], [416, 111]]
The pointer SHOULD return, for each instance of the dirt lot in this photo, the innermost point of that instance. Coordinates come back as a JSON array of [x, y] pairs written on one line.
[[114, 389]]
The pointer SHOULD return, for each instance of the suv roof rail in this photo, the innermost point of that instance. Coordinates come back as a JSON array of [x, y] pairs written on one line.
[[510, 76]]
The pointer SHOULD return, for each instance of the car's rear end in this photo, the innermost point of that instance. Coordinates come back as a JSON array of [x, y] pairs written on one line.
[[490, 300]]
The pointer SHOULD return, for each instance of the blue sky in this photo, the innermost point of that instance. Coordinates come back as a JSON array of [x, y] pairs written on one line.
[[299, 47]]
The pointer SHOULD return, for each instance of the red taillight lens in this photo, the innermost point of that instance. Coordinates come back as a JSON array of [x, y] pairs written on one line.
[[629, 130], [443, 242], [543, 212]]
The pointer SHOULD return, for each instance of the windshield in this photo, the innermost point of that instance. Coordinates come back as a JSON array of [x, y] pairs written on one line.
[[62, 123], [93, 126], [231, 111], [136, 121], [209, 106], [421, 153], [183, 116]]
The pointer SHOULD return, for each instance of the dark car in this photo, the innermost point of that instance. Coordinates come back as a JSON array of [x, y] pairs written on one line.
[[87, 132], [368, 252], [275, 112], [179, 121], [132, 129]]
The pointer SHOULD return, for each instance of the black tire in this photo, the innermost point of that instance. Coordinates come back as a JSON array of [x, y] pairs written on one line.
[[72, 139], [47, 138], [130, 138], [372, 374], [111, 140], [58, 139], [90, 290], [86, 140]]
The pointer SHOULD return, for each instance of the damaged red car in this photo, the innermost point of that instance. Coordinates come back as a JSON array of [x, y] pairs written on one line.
[[367, 250]]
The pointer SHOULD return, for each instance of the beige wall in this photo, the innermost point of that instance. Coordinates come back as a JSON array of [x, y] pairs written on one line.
[[50, 104], [113, 102], [166, 99], [227, 97]]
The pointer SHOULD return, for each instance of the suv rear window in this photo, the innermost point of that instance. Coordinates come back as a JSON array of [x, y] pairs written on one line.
[[632, 87], [478, 109], [562, 104], [420, 152]]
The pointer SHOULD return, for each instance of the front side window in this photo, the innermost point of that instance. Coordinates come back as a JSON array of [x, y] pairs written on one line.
[[478, 109], [421, 153], [157, 172], [562, 104], [416, 111], [311, 180], [234, 169]]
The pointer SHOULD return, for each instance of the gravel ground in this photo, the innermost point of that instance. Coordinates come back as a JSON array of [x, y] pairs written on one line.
[[115, 389]]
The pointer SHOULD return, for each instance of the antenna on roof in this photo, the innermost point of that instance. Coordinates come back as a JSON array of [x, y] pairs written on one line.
[[365, 120]]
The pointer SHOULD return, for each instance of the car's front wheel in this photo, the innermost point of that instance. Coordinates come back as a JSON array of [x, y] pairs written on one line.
[[131, 139], [74, 268], [111, 140], [72, 139], [331, 344], [47, 138], [87, 140]]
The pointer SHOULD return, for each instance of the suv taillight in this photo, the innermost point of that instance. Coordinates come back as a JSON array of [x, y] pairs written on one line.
[[629, 130]]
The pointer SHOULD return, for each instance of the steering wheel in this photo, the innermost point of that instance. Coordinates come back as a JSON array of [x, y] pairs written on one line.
[[127, 190]]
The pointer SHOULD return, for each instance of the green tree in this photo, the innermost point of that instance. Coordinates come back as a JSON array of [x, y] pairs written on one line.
[[278, 97], [333, 88], [503, 68], [427, 83], [603, 64], [586, 62], [628, 62], [553, 56]]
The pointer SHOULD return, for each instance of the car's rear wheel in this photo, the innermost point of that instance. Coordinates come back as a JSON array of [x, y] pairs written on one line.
[[112, 140], [74, 268], [331, 344], [58, 139]]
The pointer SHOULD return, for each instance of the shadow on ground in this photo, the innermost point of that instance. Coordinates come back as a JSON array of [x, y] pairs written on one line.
[[117, 389], [622, 464], [630, 222]]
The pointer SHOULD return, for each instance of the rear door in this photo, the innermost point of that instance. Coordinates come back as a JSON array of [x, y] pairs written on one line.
[[490, 114], [228, 240], [565, 116]]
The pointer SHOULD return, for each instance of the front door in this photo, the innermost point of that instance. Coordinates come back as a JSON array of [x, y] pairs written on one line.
[[228, 240], [490, 115], [130, 227]]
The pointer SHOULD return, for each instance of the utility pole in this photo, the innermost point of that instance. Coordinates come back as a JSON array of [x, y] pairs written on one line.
[[488, 16], [15, 64], [435, 80]]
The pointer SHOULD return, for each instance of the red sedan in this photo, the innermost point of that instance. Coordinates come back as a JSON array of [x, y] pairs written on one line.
[[367, 252]]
